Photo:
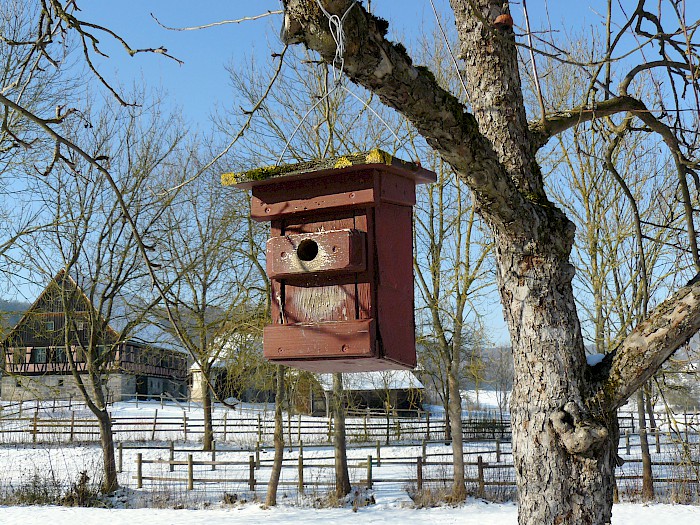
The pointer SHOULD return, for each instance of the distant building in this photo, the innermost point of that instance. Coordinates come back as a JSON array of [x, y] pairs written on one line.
[[36, 364], [398, 391]]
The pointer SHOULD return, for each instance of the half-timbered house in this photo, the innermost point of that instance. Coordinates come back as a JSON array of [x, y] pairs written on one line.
[[39, 350]]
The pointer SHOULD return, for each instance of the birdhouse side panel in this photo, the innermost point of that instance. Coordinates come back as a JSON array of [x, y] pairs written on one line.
[[395, 310]]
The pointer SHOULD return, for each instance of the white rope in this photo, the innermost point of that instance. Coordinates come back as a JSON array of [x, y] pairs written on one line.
[[335, 25]]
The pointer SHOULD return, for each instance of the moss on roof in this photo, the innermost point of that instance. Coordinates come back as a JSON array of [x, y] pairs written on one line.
[[375, 156]]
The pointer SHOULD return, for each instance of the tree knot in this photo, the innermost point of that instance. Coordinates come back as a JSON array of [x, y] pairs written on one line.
[[578, 431]]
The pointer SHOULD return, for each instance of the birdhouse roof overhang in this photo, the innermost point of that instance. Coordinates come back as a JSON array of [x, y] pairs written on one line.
[[319, 168]]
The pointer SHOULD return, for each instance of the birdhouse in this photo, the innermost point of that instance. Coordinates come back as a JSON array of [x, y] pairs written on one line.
[[340, 260]]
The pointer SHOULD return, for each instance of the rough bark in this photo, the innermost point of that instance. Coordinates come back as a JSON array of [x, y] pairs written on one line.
[[563, 413], [342, 476], [273, 484]]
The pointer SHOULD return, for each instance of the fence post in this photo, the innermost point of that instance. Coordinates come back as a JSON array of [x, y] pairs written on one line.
[[427, 426], [299, 428], [627, 441], [259, 429], [225, 425], [213, 455], [480, 467], [379, 454], [257, 455], [419, 473], [190, 472], [155, 423], [369, 471], [172, 456], [398, 429], [364, 424], [300, 472], [35, 424], [251, 473], [498, 451], [72, 426], [330, 430], [184, 425], [139, 470], [120, 456], [424, 454], [658, 441]]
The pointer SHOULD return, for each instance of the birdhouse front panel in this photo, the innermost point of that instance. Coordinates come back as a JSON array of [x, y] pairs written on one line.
[[340, 263]]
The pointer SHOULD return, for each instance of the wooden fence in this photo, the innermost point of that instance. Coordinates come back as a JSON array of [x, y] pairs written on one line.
[[70, 425], [488, 469]]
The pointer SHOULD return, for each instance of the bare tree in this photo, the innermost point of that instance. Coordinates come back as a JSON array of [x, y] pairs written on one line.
[[564, 434], [101, 274], [214, 287], [450, 266]]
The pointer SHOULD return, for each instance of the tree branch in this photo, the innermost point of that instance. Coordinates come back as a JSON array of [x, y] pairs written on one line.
[[648, 346], [387, 70]]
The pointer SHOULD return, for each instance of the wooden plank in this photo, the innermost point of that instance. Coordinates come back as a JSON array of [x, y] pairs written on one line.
[[397, 190], [320, 340], [334, 251], [273, 201]]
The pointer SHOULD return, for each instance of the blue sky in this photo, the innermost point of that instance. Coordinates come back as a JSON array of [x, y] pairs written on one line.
[[200, 84], [202, 81]]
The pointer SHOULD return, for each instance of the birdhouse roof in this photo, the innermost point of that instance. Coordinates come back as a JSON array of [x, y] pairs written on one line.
[[247, 179]]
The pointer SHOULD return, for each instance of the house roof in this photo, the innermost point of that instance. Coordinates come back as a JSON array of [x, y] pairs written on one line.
[[146, 332], [368, 381]]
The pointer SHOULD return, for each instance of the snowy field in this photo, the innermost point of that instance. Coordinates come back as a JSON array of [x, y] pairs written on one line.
[[384, 513], [154, 504]]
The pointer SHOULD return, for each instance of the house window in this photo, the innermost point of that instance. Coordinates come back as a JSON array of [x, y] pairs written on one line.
[[80, 326], [49, 325], [38, 355], [59, 383], [60, 355]]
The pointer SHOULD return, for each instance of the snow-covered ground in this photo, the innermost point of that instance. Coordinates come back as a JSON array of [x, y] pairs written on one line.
[[471, 513], [61, 464]]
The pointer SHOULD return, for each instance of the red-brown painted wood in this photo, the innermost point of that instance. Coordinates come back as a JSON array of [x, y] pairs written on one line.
[[340, 339], [347, 304], [329, 252]]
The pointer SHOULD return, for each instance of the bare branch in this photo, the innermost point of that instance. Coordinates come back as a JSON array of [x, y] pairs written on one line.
[[216, 24]]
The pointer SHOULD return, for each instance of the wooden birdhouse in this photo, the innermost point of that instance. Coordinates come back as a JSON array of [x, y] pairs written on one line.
[[340, 260]]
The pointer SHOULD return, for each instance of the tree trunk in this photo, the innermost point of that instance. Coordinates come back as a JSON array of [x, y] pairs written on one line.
[[110, 482], [459, 491], [342, 476], [564, 473], [448, 425], [208, 437], [647, 475], [271, 499], [563, 411]]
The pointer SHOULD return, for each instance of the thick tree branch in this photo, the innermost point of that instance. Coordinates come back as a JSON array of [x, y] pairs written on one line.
[[560, 121], [649, 345], [385, 68]]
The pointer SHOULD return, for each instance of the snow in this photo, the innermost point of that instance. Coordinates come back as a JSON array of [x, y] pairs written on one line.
[[204, 505], [471, 513]]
